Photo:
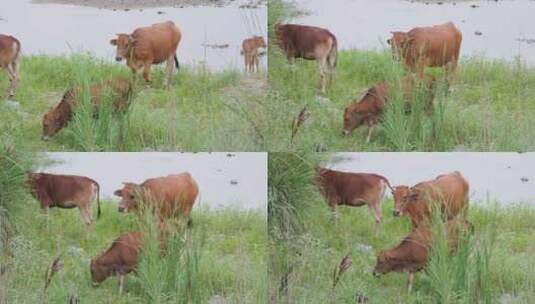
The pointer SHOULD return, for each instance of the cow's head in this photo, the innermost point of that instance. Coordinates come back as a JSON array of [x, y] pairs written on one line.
[[415, 206], [124, 43], [398, 42], [353, 118], [99, 272], [260, 41], [51, 124], [384, 264], [129, 197], [31, 179], [399, 193]]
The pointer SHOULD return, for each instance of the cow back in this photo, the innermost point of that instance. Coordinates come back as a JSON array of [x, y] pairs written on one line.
[[301, 41], [436, 45], [156, 42]]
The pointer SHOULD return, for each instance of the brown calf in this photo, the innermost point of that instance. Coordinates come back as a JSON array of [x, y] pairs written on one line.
[[370, 107], [250, 48], [65, 191], [450, 191], [310, 43], [170, 196], [149, 45], [352, 189], [432, 46], [119, 260], [9, 61], [60, 115]]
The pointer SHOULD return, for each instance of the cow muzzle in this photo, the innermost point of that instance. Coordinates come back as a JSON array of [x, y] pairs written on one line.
[[121, 209], [45, 137], [396, 213], [345, 132], [118, 59], [95, 284], [376, 274]]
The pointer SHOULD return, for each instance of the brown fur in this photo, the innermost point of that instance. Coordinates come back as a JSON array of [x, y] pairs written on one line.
[[149, 45], [120, 259], [59, 117], [310, 43], [432, 46], [9, 61], [370, 107], [250, 48], [65, 191], [170, 196], [352, 189], [449, 190]]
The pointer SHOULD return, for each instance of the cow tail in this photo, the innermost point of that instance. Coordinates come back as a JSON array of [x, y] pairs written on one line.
[[387, 183], [177, 64], [98, 200], [332, 59]]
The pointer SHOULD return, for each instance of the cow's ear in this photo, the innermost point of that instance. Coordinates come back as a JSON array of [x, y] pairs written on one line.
[[113, 42], [132, 41], [118, 193]]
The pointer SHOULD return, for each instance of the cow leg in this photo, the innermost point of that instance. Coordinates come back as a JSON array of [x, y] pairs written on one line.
[[12, 70], [86, 215], [169, 71], [375, 208], [411, 280], [10, 76], [146, 71], [450, 69], [245, 62], [322, 64], [121, 283], [371, 126], [255, 60]]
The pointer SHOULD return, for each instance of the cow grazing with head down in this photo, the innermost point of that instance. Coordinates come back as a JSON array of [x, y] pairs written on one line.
[[310, 43], [65, 191], [147, 46], [432, 46], [352, 189], [58, 117], [170, 196], [9, 61], [119, 260], [450, 191], [369, 109], [250, 50]]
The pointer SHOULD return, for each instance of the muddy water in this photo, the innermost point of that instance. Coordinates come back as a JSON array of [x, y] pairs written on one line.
[[62, 29], [237, 180], [366, 24], [502, 177]]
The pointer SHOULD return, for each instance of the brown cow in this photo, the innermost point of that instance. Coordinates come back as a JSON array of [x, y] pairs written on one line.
[[310, 43], [432, 46], [370, 107], [409, 256], [60, 115], [149, 45], [449, 190], [249, 51], [170, 196], [352, 189], [65, 191], [9, 61], [119, 260]]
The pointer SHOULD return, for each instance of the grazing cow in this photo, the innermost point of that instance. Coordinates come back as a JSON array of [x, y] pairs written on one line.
[[9, 61], [370, 107], [409, 256], [170, 196], [310, 43], [250, 48], [60, 115], [149, 45], [432, 46], [119, 260], [449, 190], [65, 191], [352, 189]]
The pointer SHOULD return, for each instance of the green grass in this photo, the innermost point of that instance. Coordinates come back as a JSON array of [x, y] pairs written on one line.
[[490, 107], [496, 263], [203, 110]]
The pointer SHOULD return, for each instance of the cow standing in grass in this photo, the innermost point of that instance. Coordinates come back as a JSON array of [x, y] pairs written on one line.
[[65, 191], [61, 114], [310, 43], [250, 50], [352, 189], [149, 45], [9, 61], [119, 260], [432, 46]]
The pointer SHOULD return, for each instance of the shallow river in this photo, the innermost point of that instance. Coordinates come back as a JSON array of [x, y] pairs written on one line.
[[366, 24], [502, 177], [62, 29], [237, 179]]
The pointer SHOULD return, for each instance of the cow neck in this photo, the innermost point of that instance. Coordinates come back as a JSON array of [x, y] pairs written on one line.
[[130, 53]]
